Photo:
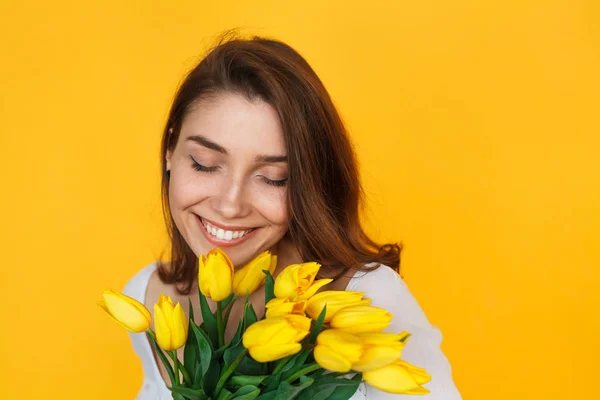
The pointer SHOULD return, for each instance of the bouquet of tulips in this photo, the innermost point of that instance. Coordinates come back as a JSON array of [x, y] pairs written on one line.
[[309, 345]]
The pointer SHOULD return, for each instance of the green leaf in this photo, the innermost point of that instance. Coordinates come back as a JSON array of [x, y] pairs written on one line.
[[237, 337], [197, 379], [295, 364], [227, 307], [249, 314], [232, 353], [188, 393], [248, 366], [267, 396], [272, 383], [329, 387], [219, 352], [204, 348], [287, 391], [228, 299], [163, 358], [247, 392], [225, 395], [405, 338], [209, 321], [210, 379], [243, 380], [318, 325], [190, 350], [269, 287]]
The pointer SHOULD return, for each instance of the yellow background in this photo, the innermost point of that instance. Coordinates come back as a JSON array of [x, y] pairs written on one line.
[[477, 126]]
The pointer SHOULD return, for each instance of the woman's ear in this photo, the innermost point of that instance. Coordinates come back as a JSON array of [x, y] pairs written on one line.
[[169, 153], [168, 159]]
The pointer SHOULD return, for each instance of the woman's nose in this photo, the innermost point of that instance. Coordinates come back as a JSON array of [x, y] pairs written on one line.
[[230, 201]]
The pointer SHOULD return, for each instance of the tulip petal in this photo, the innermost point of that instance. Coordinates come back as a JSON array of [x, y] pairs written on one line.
[[263, 331], [374, 357], [418, 390], [122, 308], [335, 300], [103, 308], [273, 265], [269, 352], [286, 283], [392, 378], [162, 330], [313, 288], [329, 359], [346, 344], [420, 374], [140, 307], [251, 276], [179, 332], [359, 319]]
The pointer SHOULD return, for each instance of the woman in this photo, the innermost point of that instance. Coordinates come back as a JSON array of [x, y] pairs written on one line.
[[255, 157]]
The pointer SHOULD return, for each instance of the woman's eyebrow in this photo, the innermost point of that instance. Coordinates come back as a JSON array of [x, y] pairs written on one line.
[[262, 158], [201, 140], [270, 159]]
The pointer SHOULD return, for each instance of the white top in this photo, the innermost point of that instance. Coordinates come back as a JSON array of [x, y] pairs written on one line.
[[386, 289]]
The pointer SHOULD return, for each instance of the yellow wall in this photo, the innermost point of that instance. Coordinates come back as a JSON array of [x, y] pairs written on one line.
[[477, 126]]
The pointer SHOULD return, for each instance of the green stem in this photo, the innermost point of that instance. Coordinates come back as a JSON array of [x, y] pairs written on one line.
[[302, 372], [173, 355], [178, 364], [281, 364], [220, 324], [161, 356], [230, 370]]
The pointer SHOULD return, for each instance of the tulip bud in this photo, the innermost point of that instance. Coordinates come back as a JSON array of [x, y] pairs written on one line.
[[399, 377], [170, 324], [248, 278], [341, 351], [297, 281], [283, 306], [274, 338], [359, 319], [335, 301], [126, 311], [215, 274]]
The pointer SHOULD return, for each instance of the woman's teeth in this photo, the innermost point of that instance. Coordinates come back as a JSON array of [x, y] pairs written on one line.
[[223, 234]]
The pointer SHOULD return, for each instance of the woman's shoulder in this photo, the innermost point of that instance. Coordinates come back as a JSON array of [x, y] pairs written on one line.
[[388, 290], [136, 286], [374, 275]]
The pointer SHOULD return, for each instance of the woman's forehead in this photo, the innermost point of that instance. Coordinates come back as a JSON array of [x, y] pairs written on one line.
[[234, 123]]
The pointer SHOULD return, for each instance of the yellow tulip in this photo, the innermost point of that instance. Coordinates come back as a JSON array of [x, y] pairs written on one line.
[[297, 281], [215, 274], [379, 349], [337, 350], [341, 351], [335, 300], [126, 311], [399, 377], [283, 306], [170, 324], [251, 276], [274, 338], [359, 319]]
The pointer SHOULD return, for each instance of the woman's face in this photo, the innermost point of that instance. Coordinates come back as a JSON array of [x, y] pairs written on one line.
[[229, 177]]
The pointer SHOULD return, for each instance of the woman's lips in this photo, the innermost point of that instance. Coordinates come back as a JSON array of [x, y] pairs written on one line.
[[223, 242]]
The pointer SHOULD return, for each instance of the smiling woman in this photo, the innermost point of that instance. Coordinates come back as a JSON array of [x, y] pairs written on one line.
[[228, 174], [255, 157]]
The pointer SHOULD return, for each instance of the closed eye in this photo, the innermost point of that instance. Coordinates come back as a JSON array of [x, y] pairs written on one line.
[[199, 167], [279, 183]]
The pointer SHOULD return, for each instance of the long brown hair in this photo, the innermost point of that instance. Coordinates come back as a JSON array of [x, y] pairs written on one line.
[[324, 195]]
